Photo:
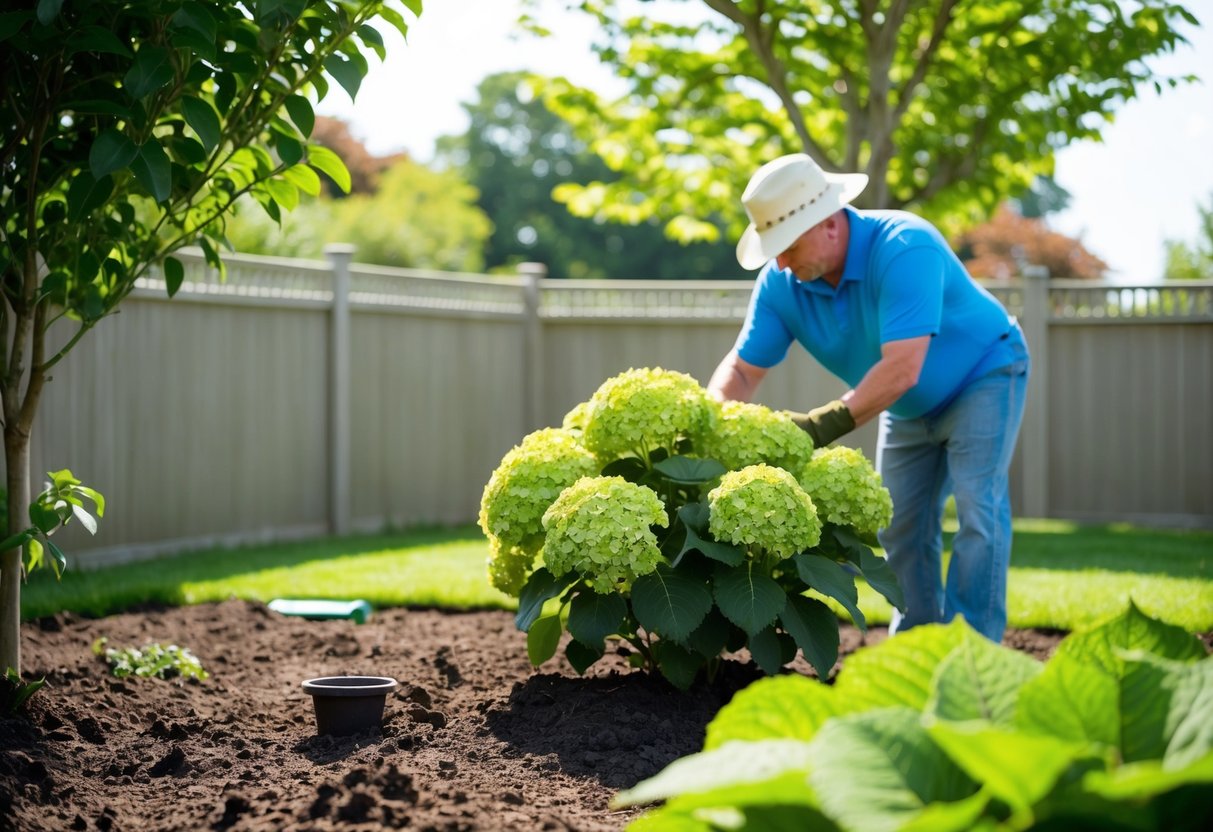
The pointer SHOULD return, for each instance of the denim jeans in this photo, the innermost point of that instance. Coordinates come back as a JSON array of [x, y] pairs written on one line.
[[964, 450]]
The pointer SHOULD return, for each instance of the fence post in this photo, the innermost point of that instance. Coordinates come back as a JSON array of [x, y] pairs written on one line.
[[340, 255], [1035, 434], [532, 346]]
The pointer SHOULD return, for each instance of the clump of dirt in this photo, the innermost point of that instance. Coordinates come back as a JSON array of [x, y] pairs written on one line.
[[474, 739]]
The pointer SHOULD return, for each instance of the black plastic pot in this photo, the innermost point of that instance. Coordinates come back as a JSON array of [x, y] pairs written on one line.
[[348, 704]]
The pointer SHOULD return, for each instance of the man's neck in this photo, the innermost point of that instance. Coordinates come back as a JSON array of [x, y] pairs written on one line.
[[834, 275]]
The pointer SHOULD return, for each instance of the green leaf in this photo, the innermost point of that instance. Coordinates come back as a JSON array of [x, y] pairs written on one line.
[[594, 616], [539, 588], [1131, 630], [678, 665], [152, 70], [59, 560], [580, 656], [15, 540], [328, 162], [980, 680], [880, 577], [899, 671], [695, 518], [748, 598], [815, 629], [13, 22], [86, 194], [198, 18], [542, 639], [1188, 727], [44, 518], [300, 111], [202, 117], [345, 72], [289, 149], [48, 10], [303, 178], [732, 764], [1018, 769], [111, 151], [878, 770], [669, 603], [1137, 782], [1071, 700], [766, 650], [688, 470], [153, 170], [283, 193], [778, 707], [93, 495], [629, 467], [174, 274], [85, 519], [828, 578], [33, 554], [711, 636], [97, 39], [370, 35]]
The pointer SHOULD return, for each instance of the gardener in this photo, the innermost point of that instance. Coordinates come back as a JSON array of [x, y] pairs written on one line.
[[879, 299]]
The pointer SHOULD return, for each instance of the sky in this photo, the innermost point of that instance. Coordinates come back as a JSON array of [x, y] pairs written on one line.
[[1131, 192]]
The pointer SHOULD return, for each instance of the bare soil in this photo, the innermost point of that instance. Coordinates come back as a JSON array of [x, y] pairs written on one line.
[[475, 739]]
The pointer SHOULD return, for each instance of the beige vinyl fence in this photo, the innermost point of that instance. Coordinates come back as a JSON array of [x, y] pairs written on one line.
[[302, 398]]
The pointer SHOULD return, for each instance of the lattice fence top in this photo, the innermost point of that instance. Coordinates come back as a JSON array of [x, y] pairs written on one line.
[[310, 283]]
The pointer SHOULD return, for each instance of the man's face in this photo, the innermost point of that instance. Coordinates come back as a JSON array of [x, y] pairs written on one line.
[[809, 257]]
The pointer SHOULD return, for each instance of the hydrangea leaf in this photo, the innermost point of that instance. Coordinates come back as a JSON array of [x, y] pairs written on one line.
[[1131, 630], [828, 578], [766, 650], [543, 638], [778, 707], [695, 518], [874, 568], [580, 656], [688, 470], [732, 764], [711, 636], [539, 588], [899, 671], [815, 628], [593, 616], [748, 598], [903, 770], [980, 680], [677, 664], [670, 604], [1072, 700]]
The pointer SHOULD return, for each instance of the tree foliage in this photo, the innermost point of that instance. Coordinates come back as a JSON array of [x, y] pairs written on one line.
[[414, 217], [129, 130], [365, 167], [949, 105], [1000, 248], [1193, 261], [515, 152]]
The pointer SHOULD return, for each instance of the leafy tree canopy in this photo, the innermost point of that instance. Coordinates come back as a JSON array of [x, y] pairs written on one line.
[[949, 105], [1000, 248], [515, 152]]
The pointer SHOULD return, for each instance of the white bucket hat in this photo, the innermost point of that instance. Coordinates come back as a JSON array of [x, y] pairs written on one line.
[[785, 198]]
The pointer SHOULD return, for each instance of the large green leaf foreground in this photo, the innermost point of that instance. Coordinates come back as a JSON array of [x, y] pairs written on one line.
[[939, 729]]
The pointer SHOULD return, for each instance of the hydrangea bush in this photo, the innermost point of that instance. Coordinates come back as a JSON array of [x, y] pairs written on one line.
[[686, 528]]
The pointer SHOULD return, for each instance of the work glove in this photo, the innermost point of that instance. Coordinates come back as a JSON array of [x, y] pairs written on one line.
[[826, 423]]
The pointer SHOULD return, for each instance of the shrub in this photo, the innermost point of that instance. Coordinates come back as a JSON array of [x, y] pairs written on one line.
[[941, 729], [644, 539]]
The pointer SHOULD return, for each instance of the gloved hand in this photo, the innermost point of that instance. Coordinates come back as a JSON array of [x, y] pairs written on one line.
[[826, 423]]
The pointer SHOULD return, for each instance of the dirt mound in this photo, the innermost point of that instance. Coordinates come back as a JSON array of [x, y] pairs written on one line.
[[475, 739]]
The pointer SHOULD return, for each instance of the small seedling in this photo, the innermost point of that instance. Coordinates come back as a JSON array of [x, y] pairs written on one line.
[[14, 693], [150, 660]]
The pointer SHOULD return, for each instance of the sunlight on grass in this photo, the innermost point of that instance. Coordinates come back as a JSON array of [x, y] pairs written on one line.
[[1063, 575]]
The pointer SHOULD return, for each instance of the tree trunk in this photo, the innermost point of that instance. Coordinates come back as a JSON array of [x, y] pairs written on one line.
[[16, 459]]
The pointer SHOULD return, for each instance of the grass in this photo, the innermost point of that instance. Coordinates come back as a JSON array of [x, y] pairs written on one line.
[[1063, 575]]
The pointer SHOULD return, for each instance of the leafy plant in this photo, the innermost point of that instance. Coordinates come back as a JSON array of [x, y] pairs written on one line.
[[939, 729], [625, 523], [150, 660], [129, 131], [60, 502], [14, 693]]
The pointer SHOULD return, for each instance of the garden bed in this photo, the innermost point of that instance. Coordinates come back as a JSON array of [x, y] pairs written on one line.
[[474, 739]]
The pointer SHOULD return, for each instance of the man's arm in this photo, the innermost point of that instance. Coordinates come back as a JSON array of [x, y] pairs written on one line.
[[896, 372], [735, 379]]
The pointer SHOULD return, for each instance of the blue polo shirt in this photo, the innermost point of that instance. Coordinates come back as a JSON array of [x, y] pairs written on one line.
[[900, 280]]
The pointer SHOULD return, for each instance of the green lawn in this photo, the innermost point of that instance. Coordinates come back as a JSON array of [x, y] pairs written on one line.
[[1063, 575]]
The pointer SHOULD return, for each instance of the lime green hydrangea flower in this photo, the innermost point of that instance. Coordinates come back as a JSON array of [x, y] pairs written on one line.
[[575, 419], [529, 478], [509, 566], [749, 434], [764, 507], [600, 527], [847, 490], [639, 410]]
